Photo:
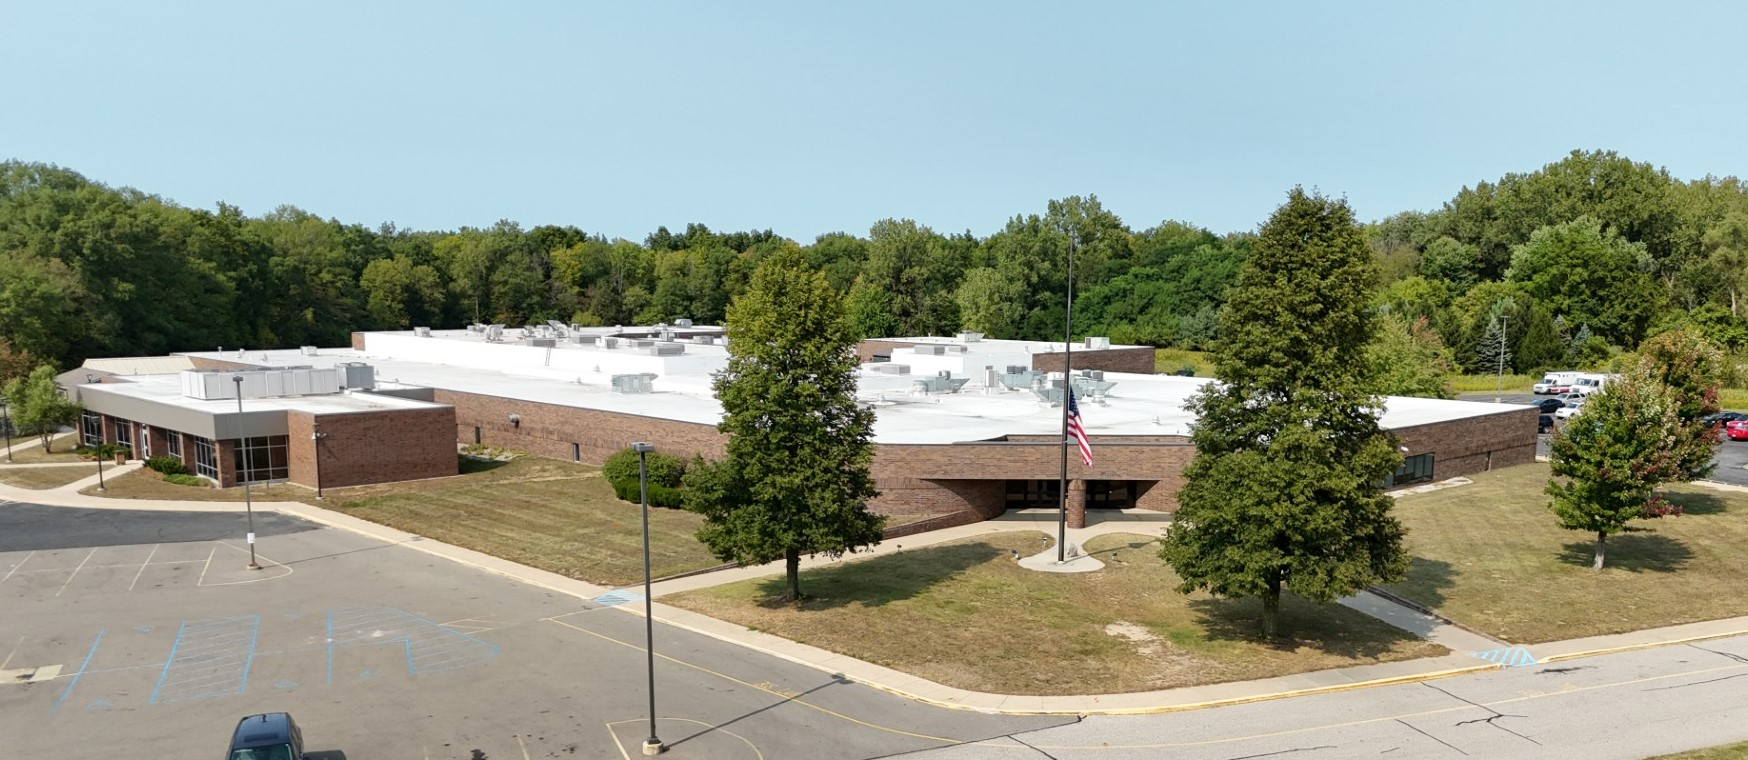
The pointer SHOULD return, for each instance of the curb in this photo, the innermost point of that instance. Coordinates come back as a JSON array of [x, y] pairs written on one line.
[[1637, 647]]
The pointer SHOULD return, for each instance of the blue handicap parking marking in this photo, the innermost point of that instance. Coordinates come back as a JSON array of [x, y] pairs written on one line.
[[1511, 657], [429, 647], [210, 658], [616, 598]]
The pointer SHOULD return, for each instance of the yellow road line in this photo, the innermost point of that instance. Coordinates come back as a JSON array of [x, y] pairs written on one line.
[[759, 687]]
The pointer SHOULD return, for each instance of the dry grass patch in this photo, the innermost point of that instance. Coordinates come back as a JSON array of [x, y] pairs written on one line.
[[542, 513], [39, 478], [966, 615], [1489, 383], [149, 484], [61, 450], [1492, 556], [1169, 360]]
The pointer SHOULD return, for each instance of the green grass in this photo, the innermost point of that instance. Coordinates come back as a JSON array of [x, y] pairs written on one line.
[[1733, 399], [966, 615], [148, 484], [1169, 360], [1489, 382], [39, 478], [61, 450], [1492, 556], [1725, 752], [543, 513]]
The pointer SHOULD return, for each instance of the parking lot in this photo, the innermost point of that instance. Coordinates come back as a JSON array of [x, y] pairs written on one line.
[[142, 634], [1731, 458]]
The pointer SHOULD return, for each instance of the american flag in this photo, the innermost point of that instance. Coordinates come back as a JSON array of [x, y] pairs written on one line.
[[1077, 432]]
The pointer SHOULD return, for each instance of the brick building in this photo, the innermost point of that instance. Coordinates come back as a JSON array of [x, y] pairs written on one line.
[[964, 426]]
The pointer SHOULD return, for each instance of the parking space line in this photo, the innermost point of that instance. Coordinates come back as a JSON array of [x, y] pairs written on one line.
[[82, 666], [167, 660], [143, 565], [331, 648], [786, 698], [8, 660], [19, 565], [76, 571], [206, 567], [211, 658], [524, 747]]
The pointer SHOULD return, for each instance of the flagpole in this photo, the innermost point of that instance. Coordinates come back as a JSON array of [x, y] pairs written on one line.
[[1067, 388]]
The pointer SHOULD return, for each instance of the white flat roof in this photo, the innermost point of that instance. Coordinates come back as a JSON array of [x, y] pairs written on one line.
[[167, 389], [1138, 405]]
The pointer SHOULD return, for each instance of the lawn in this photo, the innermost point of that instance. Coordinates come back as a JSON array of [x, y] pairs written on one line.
[[542, 513], [1489, 382], [1169, 360], [147, 484], [1725, 752], [1492, 556], [62, 450], [38, 478], [966, 615]]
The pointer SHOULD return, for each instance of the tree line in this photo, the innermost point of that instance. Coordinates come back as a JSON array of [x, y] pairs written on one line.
[[1570, 264]]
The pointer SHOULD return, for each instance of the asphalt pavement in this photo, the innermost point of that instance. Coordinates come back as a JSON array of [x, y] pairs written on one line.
[[152, 639], [1731, 458]]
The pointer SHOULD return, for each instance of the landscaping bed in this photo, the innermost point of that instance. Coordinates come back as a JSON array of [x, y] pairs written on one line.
[[1491, 556], [965, 614]]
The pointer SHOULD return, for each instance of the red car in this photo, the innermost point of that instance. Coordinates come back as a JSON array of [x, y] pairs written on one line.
[[1736, 430]]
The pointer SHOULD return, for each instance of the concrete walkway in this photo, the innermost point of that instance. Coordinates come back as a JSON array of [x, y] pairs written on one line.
[[1473, 651]]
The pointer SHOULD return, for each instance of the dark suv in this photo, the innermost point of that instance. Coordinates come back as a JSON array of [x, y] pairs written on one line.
[[269, 736]]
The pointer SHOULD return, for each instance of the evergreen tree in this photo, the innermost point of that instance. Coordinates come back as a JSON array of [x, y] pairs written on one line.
[[1492, 355], [1540, 346], [1285, 491], [795, 479]]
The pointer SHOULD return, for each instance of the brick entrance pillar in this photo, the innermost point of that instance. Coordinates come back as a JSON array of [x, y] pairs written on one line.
[[1077, 503]]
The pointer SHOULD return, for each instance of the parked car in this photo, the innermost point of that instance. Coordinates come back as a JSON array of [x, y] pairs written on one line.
[[1736, 430], [268, 736], [1723, 417], [1544, 423], [1566, 412], [1549, 405]]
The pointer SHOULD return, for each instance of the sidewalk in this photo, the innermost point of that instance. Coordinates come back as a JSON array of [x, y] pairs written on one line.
[[1471, 652]]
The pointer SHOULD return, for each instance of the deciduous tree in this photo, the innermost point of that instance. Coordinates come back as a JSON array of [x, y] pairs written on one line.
[[1611, 456], [1286, 488], [795, 476], [37, 406]]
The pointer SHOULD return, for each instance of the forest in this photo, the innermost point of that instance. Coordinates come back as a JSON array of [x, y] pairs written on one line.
[[1567, 265]]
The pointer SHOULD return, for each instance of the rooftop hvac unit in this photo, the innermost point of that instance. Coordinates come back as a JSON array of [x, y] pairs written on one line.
[[357, 375], [892, 369], [970, 337], [640, 343], [494, 333], [1098, 342], [423, 332], [641, 382], [558, 328], [930, 350], [1015, 369], [476, 328], [543, 342], [610, 342], [954, 349], [682, 323], [666, 349], [588, 340], [308, 350]]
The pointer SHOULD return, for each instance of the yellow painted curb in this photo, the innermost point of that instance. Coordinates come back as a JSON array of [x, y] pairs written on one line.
[[1637, 647]]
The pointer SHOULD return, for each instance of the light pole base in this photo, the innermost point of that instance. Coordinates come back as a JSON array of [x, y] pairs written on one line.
[[253, 566], [653, 747]]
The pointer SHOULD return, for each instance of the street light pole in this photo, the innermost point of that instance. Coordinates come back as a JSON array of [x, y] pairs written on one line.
[[1499, 386], [652, 745], [316, 437], [6, 427], [248, 500]]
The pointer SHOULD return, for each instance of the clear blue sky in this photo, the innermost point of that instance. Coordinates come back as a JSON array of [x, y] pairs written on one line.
[[813, 117]]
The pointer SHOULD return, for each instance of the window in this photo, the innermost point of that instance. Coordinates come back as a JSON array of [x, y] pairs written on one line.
[[1415, 469], [576, 452], [1027, 494], [90, 429], [263, 458], [124, 433], [205, 458], [476, 435], [173, 443]]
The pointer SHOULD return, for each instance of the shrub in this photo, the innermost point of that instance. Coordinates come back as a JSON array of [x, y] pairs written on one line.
[[659, 495], [184, 479], [664, 470], [167, 465]]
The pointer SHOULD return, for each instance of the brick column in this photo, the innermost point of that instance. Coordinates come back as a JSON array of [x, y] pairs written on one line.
[[1077, 503]]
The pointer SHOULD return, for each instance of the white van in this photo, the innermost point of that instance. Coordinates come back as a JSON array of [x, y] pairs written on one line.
[[1555, 382], [1589, 383]]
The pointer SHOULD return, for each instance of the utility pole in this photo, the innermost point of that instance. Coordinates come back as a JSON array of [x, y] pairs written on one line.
[[1499, 385]]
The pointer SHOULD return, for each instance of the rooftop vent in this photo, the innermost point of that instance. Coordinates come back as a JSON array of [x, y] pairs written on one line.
[[682, 323], [423, 332], [939, 384], [970, 337], [641, 382], [588, 340], [666, 349], [308, 350], [1098, 342], [889, 368], [930, 350], [494, 333]]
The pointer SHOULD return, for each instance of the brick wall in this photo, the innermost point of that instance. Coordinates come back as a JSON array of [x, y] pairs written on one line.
[[357, 341], [549, 430], [1138, 360], [371, 447], [203, 363], [1474, 444]]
